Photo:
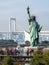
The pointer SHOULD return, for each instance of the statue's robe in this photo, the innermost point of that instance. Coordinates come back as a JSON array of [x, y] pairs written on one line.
[[34, 28]]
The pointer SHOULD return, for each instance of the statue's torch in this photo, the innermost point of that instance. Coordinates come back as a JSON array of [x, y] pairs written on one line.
[[28, 11]]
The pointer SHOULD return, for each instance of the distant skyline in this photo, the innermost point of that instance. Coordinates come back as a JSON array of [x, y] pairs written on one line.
[[18, 10]]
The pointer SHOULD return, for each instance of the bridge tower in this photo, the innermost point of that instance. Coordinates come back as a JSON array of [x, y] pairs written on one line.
[[12, 28], [12, 25]]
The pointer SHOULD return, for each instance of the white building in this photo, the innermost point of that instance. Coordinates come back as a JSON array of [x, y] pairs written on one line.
[[21, 36]]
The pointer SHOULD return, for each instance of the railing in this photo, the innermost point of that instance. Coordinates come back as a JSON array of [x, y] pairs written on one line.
[[18, 59]]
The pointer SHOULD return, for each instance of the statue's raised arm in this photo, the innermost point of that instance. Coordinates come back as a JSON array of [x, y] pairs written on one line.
[[28, 11]]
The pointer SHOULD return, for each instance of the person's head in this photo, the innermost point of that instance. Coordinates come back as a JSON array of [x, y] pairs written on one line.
[[34, 18]]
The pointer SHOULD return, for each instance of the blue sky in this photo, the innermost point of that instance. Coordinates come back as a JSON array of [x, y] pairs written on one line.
[[17, 9]]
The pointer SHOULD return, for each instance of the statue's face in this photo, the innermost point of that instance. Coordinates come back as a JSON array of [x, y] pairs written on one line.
[[33, 18]]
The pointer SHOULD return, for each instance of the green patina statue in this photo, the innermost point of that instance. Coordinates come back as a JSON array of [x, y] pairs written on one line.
[[34, 28]]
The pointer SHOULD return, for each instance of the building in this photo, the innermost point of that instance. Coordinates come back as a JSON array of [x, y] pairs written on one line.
[[21, 36]]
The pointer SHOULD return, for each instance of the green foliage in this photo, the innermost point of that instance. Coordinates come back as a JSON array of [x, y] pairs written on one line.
[[27, 43], [15, 63], [8, 61], [46, 57], [38, 59]]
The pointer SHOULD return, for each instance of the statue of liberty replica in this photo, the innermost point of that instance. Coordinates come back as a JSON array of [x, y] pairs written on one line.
[[34, 28]]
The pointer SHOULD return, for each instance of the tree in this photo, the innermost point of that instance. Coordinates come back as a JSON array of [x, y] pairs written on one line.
[[46, 57], [27, 43], [8, 61], [38, 59]]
